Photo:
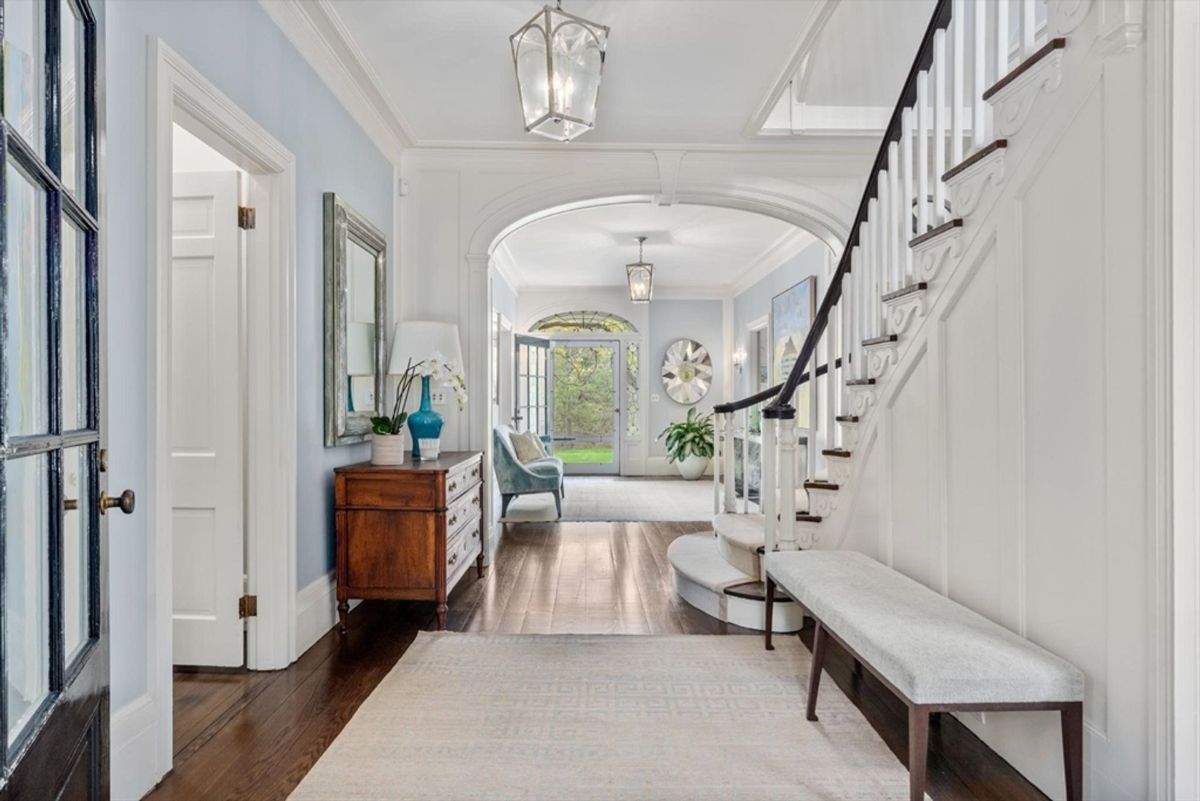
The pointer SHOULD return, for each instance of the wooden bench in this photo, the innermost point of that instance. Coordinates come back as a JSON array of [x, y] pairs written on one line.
[[935, 654]]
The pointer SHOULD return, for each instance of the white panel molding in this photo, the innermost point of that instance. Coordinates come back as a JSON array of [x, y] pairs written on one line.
[[134, 744], [1121, 25], [317, 31]]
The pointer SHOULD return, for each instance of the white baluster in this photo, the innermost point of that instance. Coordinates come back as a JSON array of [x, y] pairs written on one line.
[[1028, 28], [906, 192], [879, 232], [856, 333], [887, 239], [730, 475], [831, 395], [940, 213], [847, 304], [718, 434], [1002, 40], [746, 461], [814, 411], [958, 75], [979, 76], [922, 152], [893, 217], [769, 488], [787, 484], [869, 255]]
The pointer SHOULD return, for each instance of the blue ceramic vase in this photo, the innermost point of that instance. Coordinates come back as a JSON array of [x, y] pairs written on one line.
[[424, 423]]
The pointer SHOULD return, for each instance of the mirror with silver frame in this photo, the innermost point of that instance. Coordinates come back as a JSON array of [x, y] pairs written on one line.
[[355, 323]]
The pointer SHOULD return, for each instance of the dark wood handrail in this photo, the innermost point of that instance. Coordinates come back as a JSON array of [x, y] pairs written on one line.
[[768, 393], [908, 97]]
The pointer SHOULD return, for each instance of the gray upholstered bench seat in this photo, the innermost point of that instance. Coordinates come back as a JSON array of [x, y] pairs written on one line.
[[937, 655], [928, 647]]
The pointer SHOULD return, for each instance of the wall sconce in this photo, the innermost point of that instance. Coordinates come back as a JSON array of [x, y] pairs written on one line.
[[739, 359]]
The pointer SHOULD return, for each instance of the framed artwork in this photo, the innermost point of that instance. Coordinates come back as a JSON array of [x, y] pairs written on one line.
[[792, 312]]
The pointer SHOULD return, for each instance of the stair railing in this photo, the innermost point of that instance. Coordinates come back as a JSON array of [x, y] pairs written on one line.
[[940, 120]]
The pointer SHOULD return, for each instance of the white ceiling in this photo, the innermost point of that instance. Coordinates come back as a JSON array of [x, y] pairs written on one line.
[[689, 71], [692, 248]]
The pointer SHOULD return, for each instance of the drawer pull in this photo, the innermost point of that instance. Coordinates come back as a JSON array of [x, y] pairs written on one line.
[[453, 558], [475, 472], [453, 485], [453, 518], [475, 500]]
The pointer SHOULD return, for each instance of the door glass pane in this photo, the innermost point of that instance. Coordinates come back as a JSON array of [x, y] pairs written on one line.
[[77, 504], [632, 425], [26, 305], [26, 591], [74, 327], [71, 101], [24, 68]]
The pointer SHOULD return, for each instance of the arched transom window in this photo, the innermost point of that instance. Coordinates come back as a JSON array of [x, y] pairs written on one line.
[[580, 322]]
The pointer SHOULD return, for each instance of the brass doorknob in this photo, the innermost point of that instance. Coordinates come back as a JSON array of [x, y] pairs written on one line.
[[124, 502]]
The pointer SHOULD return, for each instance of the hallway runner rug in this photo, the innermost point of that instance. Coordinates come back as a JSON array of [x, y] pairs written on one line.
[[479, 716]]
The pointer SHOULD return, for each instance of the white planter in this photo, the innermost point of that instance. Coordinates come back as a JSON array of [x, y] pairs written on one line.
[[692, 467], [388, 449]]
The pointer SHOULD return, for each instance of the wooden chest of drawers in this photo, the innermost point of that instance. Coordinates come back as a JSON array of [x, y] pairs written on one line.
[[408, 532]]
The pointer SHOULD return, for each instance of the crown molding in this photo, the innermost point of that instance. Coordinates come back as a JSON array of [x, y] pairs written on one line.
[[783, 249], [806, 41], [822, 147], [317, 31]]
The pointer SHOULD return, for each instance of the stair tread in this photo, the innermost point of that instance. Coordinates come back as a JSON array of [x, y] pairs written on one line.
[[840, 453], [1025, 66], [936, 232], [920, 286], [975, 158], [861, 382], [696, 557], [825, 485], [847, 418], [883, 340], [745, 532]]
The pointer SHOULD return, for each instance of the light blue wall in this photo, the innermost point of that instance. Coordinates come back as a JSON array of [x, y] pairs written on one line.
[[237, 47], [755, 302], [671, 320]]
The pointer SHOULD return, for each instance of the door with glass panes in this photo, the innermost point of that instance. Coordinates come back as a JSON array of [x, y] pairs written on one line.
[[53, 635]]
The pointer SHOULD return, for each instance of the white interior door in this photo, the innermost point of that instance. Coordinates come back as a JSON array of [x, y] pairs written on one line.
[[206, 423]]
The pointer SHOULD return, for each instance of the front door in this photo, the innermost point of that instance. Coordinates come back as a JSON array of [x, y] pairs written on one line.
[[532, 408], [54, 710], [586, 406]]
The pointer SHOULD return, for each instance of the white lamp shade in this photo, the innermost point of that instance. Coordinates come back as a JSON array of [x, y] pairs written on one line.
[[420, 339]]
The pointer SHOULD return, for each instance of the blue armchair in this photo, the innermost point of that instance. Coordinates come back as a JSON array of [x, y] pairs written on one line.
[[514, 478]]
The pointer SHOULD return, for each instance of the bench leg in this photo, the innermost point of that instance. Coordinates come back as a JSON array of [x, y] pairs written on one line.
[[770, 611], [1072, 737], [814, 677], [918, 750]]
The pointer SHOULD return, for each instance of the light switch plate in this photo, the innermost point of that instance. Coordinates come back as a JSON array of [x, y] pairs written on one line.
[[437, 397]]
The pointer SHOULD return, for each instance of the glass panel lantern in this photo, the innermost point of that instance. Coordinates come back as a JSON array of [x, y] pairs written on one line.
[[641, 282], [559, 58]]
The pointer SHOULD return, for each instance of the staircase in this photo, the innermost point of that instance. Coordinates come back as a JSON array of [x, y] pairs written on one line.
[[960, 125]]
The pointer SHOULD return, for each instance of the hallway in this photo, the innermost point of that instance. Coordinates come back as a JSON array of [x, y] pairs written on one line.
[[255, 735]]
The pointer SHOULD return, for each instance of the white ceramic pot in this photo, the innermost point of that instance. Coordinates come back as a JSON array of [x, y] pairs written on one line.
[[692, 467], [388, 449]]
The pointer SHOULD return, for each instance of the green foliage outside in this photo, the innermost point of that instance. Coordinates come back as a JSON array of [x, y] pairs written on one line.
[[583, 393], [585, 455]]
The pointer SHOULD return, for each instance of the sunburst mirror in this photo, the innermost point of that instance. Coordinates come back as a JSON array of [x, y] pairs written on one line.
[[687, 371]]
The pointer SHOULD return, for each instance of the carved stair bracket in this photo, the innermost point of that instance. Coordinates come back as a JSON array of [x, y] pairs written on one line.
[[931, 256], [1013, 103], [861, 399], [839, 469], [807, 534], [968, 186], [821, 502], [880, 358], [1064, 16], [849, 435], [903, 313]]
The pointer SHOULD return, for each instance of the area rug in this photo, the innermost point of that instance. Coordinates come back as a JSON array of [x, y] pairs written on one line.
[[609, 498], [479, 716]]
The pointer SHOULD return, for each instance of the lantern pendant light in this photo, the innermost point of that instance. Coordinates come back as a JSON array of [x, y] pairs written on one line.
[[558, 58], [641, 277]]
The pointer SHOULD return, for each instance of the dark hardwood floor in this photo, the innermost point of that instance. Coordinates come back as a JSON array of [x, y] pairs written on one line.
[[254, 735]]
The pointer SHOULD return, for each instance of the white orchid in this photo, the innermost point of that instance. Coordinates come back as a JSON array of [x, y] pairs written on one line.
[[448, 374]]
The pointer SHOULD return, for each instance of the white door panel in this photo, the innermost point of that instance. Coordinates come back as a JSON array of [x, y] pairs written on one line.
[[206, 429]]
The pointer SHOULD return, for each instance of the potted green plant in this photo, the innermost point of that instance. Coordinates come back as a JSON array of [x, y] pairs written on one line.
[[690, 444], [387, 432]]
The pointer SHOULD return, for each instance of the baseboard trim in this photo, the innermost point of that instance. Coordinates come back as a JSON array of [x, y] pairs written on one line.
[[316, 611], [659, 466], [134, 769]]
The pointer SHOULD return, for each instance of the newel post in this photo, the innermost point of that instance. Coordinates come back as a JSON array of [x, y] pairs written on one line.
[[787, 476], [730, 453], [716, 467]]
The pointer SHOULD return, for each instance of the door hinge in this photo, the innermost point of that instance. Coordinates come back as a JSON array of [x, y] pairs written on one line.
[[245, 217], [248, 606]]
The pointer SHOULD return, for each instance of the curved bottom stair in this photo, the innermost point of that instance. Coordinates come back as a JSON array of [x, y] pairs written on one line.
[[708, 582]]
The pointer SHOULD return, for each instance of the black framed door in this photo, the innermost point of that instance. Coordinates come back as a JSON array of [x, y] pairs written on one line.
[[54, 659]]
